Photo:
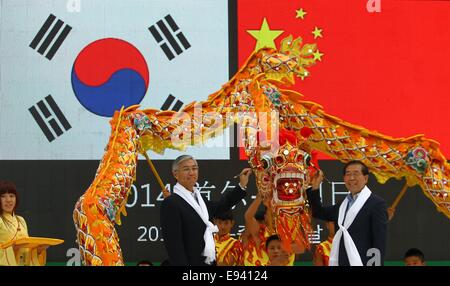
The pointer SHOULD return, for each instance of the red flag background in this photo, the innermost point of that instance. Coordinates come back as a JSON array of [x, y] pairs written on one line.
[[387, 71]]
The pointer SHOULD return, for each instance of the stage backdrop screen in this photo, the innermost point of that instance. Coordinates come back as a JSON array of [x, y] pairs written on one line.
[[68, 65]]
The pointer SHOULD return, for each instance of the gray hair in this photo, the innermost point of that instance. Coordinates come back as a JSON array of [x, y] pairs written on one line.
[[179, 160]]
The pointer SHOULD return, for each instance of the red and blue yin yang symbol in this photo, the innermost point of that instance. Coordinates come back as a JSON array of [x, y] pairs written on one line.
[[108, 74]]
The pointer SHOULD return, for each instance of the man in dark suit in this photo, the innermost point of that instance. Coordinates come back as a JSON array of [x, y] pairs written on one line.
[[187, 230], [360, 219]]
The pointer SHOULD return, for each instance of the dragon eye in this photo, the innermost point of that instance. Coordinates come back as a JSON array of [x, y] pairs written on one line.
[[307, 160], [266, 162]]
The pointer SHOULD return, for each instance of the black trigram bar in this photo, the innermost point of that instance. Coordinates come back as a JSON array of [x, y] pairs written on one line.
[[53, 122], [164, 35], [50, 36], [168, 103]]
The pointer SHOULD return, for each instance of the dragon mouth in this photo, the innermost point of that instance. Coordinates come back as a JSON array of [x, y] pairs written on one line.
[[291, 211], [289, 186]]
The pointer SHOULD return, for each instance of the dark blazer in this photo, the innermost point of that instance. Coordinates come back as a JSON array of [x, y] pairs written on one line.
[[368, 230], [183, 229]]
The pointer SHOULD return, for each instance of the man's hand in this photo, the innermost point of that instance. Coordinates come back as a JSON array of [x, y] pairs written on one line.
[[165, 193], [391, 213], [316, 180], [243, 177]]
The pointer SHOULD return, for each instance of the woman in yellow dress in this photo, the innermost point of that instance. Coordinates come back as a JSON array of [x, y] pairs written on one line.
[[12, 226]]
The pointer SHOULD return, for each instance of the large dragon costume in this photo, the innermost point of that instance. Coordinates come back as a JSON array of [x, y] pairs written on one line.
[[282, 169]]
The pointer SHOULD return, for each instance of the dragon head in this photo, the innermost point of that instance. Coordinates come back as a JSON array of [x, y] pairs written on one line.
[[282, 176]]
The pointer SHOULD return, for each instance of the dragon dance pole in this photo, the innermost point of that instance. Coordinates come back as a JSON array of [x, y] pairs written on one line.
[[400, 195], [150, 163]]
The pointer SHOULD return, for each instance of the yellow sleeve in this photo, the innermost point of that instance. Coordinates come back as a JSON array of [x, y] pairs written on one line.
[[4, 233]]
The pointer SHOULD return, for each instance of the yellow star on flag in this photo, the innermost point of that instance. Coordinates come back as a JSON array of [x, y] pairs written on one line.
[[264, 36], [317, 33], [301, 13], [318, 55]]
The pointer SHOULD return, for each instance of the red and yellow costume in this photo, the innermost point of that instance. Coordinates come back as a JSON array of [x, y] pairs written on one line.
[[256, 255], [229, 250], [323, 250]]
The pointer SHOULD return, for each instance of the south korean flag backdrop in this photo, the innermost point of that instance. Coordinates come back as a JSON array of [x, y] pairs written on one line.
[[66, 66]]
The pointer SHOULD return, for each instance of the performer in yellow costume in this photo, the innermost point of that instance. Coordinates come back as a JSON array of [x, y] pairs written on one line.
[[254, 237], [322, 254], [228, 249], [278, 256], [12, 226]]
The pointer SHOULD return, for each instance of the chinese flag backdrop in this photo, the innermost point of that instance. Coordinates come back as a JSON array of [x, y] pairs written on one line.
[[386, 71]]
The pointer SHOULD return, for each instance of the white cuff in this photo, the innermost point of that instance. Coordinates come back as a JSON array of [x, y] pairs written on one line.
[[244, 188]]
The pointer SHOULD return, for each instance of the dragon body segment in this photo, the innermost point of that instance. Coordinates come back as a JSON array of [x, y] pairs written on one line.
[[101, 206]]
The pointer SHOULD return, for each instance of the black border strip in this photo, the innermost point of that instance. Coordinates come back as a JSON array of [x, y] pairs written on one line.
[[233, 65]]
